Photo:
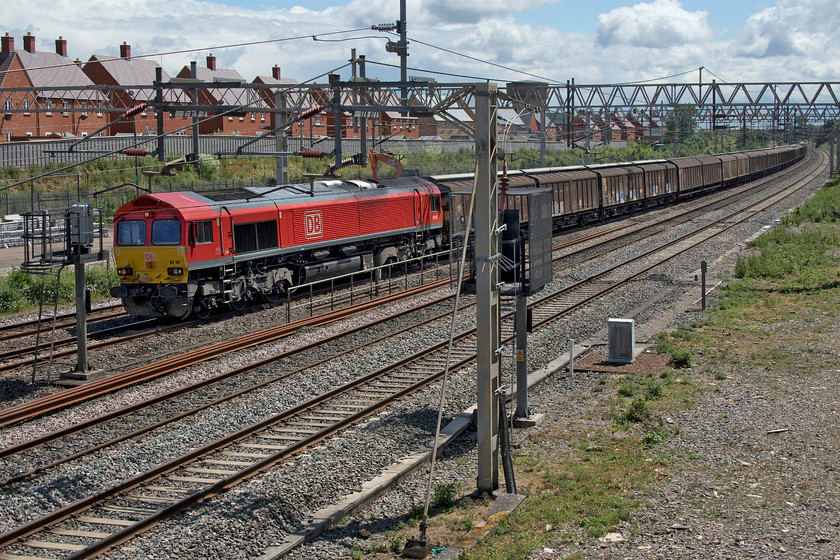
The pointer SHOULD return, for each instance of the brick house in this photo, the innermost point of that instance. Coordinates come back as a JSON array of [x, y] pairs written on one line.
[[126, 71], [245, 122], [53, 114], [379, 124], [273, 84]]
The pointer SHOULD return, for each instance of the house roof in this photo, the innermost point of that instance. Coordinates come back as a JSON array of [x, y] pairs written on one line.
[[272, 81], [133, 72], [46, 69], [225, 96]]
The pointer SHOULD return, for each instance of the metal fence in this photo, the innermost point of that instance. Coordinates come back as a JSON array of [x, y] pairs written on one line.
[[46, 152], [42, 153]]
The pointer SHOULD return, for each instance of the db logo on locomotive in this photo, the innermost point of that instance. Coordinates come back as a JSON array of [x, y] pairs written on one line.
[[313, 224]]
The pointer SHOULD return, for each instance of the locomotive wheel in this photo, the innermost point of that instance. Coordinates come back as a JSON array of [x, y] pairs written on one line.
[[202, 312], [274, 295], [238, 304]]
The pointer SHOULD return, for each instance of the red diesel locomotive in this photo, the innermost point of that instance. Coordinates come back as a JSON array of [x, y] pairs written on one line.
[[189, 252]]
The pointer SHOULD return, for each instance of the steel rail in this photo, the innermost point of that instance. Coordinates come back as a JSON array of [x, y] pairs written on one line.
[[68, 341], [62, 320], [120, 490], [100, 420], [103, 386]]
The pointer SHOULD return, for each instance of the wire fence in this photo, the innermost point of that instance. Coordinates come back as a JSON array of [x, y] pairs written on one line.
[[43, 153], [46, 152]]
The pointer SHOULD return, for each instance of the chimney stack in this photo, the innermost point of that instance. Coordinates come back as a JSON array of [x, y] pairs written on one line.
[[8, 43], [29, 42], [78, 62], [61, 46], [125, 50], [275, 72], [211, 62]]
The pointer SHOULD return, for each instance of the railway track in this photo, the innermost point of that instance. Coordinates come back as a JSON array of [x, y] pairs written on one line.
[[98, 422], [62, 320], [103, 386], [154, 368], [66, 345], [148, 498]]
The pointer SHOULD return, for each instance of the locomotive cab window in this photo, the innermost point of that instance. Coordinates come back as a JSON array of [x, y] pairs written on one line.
[[131, 232], [203, 231], [166, 232], [435, 202]]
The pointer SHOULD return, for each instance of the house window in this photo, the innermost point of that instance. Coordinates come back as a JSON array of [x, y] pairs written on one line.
[[8, 137], [84, 106], [253, 116], [29, 133], [317, 120], [7, 105], [25, 104], [262, 116], [65, 105]]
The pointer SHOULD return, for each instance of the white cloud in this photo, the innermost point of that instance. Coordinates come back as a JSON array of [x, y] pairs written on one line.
[[791, 28], [662, 23], [793, 40]]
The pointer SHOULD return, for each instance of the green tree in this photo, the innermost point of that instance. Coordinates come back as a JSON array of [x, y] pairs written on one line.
[[681, 125]]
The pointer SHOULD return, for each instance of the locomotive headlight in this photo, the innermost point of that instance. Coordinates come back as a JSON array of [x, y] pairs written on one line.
[[125, 271], [175, 271]]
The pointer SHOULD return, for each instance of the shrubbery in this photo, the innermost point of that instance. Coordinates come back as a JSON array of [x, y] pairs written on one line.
[[20, 291]]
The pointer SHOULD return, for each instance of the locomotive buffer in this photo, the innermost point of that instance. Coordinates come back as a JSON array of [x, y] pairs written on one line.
[[53, 241]]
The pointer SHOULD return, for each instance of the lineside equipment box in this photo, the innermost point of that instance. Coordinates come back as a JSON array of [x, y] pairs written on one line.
[[621, 337]]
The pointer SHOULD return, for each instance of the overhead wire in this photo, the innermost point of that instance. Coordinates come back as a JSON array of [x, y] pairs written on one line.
[[211, 48], [550, 80]]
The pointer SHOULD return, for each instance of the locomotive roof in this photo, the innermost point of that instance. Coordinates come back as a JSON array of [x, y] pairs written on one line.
[[281, 195]]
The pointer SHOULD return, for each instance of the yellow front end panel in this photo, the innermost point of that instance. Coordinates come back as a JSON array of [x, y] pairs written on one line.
[[152, 265]]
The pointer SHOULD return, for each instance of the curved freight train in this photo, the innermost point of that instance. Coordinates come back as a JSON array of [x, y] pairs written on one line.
[[187, 253]]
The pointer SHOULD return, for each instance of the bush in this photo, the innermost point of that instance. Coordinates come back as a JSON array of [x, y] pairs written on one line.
[[19, 290], [639, 411], [444, 495], [681, 358], [207, 166]]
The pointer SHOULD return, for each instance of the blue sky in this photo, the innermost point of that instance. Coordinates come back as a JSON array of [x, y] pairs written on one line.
[[592, 41]]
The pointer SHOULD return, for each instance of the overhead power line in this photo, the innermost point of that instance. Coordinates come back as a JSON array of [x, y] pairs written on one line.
[[215, 47]]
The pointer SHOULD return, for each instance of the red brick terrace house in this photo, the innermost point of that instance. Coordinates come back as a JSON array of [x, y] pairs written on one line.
[[127, 71], [273, 84], [29, 68], [245, 122], [379, 125]]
